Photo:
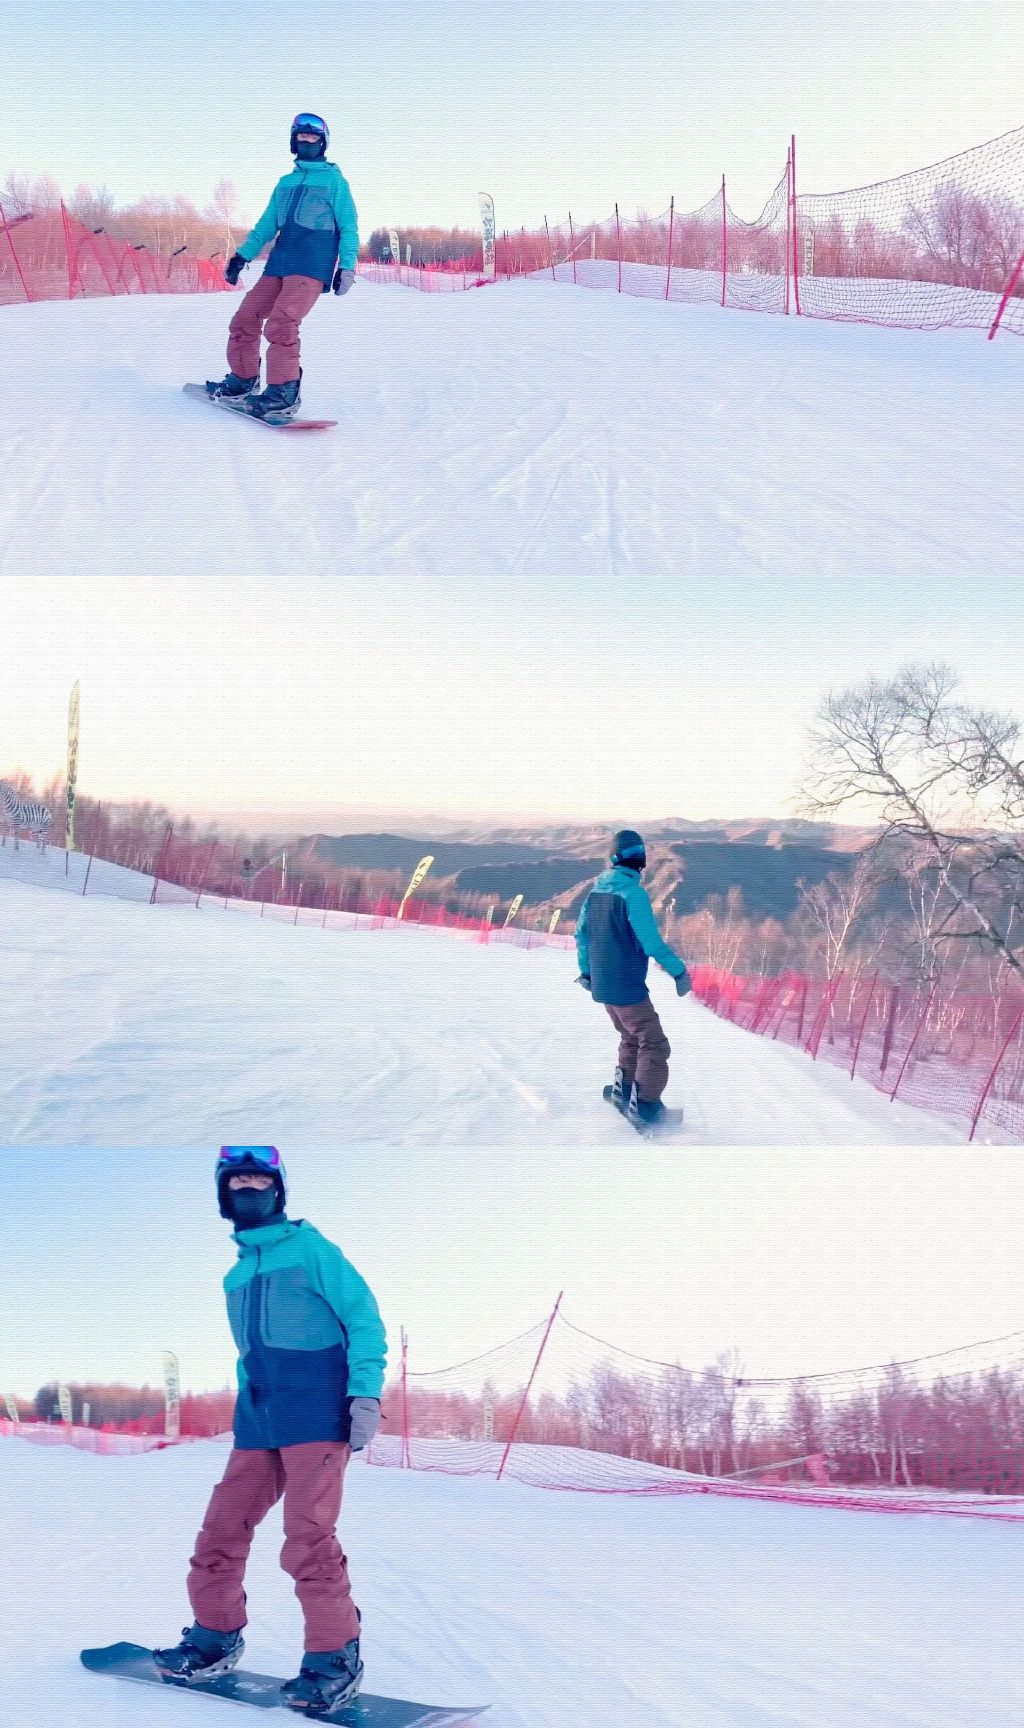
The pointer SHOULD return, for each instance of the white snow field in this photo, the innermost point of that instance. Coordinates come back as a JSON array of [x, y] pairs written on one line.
[[123, 1024], [558, 1610], [529, 428]]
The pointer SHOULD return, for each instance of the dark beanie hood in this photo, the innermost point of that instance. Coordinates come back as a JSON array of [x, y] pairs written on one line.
[[628, 849]]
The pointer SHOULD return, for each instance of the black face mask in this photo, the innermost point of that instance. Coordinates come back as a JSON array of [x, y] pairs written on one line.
[[251, 1207], [309, 152]]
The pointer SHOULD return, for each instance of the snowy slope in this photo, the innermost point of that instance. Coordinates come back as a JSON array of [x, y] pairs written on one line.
[[560, 1610], [123, 1024], [529, 428]]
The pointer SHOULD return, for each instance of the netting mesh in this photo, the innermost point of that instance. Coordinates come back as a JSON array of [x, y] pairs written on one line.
[[958, 1053], [48, 255], [559, 1408], [938, 246], [942, 245]]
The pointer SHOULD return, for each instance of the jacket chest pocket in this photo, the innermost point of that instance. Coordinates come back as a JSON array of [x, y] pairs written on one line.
[[295, 1315], [315, 210]]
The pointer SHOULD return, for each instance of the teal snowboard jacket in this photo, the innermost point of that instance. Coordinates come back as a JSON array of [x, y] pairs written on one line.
[[616, 935], [312, 214], [309, 1336]]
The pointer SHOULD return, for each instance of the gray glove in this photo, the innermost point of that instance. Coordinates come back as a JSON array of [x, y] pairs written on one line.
[[584, 981], [683, 984], [343, 280], [364, 1418]]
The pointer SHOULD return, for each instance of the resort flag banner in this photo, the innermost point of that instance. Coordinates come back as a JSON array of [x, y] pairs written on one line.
[[487, 224], [396, 250], [414, 881], [172, 1396], [513, 909], [556, 914]]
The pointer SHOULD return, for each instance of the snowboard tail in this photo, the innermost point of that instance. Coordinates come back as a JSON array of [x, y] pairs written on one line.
[[280, 422], [263, 1692]]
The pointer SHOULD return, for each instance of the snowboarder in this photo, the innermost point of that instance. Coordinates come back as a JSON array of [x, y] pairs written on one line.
[[310, 1374], [616, 936], [314, 219]]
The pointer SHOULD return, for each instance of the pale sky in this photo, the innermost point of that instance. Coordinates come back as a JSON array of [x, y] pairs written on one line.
[[805, 1260], [687, 700], [548, 108]]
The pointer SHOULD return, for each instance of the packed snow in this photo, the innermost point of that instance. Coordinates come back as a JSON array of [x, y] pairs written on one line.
[[123, 1024], [528, 428], [558, 1610]]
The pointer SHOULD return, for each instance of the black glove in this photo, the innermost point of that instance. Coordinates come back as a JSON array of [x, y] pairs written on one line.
[[683, 984], [364, 1421], [343, 280], [236, 264], [584, 980]]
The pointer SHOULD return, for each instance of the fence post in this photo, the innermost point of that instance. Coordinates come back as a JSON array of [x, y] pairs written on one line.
[[92, 853], [68, 250], [529, 1383], [986, 1089], [796, 254], [1007, 291], [572, 247], [860, 1029], [789, 181], [671, 225], [618, 245], [161, 861], [551, 260], [14, 255], [724, 240], [913, 1042]]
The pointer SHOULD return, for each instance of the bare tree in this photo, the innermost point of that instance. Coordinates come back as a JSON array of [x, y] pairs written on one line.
[[836, 906], [907, 750]]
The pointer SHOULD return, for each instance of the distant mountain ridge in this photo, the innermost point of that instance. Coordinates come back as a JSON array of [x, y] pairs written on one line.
[[554, 865]]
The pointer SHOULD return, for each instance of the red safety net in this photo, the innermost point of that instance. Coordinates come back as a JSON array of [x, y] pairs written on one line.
[[558, 1408], [48, 255], [939, 246], [294, 888], [942, 245], [958, 1053]]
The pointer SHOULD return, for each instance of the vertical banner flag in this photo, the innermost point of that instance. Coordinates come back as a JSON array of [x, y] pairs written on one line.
[[556, 914], [69, 826], [488, 1419], [64, 1400], [12, 1408], [408, 253], [414, 881], [396, 250], [513, 909], [487, 224], [172, 1396]]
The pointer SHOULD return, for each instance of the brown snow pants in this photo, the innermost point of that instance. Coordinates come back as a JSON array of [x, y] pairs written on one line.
[[310, 1479], [280, 303], [643, 1048]]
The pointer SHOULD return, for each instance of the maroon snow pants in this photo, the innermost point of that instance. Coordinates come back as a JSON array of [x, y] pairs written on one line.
[[310, 1479], [643, 1048], [280, 303]]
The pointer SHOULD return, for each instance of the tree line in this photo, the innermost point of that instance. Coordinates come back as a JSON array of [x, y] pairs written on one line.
[[962, 1432]]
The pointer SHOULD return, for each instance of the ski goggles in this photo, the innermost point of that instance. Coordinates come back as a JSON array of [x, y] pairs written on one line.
[[309, 123], [266, 1157]]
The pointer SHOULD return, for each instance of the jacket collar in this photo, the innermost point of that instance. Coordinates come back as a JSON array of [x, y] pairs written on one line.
[[265, 1235]]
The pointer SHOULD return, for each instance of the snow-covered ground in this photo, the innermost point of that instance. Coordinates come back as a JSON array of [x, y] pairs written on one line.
[[559, 1610], [528, 428], [123, 1024]]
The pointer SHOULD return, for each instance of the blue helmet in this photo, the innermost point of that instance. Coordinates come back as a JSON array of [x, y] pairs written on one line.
[[311, 123], [237, 1160]]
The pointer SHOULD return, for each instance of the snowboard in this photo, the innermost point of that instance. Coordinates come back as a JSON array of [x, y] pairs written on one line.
[[278, 422], [647, 1130], [263, 1692]]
